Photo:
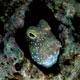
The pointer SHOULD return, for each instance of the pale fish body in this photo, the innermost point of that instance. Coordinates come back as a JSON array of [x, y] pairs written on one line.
[[44, 47]]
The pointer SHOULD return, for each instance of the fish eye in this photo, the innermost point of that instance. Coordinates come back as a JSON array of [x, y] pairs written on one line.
[[32, 34]]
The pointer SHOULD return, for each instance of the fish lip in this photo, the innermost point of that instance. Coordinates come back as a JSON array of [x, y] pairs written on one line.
[[51, 60]]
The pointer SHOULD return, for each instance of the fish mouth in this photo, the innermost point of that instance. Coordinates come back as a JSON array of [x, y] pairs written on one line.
[[46, 60], [51, 59]]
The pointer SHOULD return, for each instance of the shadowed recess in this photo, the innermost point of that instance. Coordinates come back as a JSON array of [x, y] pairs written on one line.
[[78, 1], [76, 24]]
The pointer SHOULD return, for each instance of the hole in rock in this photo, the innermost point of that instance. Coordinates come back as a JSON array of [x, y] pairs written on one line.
[[37, 11], [18, 66]]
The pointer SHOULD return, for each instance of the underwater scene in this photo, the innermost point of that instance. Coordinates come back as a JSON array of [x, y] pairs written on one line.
[[39, 39]]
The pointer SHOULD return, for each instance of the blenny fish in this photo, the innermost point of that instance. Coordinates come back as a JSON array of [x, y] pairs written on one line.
[[43, 45]]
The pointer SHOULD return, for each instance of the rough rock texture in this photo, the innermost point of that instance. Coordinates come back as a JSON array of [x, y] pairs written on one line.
[[16, 16]]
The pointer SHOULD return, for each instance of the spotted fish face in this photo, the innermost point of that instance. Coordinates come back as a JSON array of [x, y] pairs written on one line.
[[44, 47]]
